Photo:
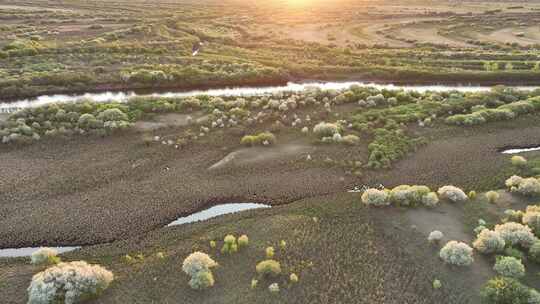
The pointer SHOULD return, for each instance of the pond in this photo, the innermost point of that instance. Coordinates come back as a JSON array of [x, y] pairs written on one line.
[[216, 211], [8, 107], [27, 251], [521, 150]]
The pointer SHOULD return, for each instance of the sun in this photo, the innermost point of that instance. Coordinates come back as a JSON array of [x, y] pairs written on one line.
[[298, 3]]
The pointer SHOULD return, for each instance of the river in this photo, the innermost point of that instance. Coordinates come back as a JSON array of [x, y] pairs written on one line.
[[8, 107]]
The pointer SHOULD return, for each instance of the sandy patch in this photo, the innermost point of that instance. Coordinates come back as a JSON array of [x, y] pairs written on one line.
[[254, 155]]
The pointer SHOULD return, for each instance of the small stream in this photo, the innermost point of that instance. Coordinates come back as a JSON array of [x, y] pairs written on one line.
[[520, 150], [8, 107], [215, 212], [27, 251]]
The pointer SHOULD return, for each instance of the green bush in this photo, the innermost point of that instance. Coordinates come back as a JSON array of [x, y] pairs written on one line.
[[269, 268], [261, 139], [502, 290]]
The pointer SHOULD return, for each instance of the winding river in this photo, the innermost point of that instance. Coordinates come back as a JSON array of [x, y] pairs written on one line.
[[8, 107]]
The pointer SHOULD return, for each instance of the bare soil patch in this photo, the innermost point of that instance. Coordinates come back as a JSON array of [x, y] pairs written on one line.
[[262, 155]]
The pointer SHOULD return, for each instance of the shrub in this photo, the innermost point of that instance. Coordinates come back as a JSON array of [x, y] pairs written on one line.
[[430, 200], [531, 218], [518, 161], [229, 244], [502, 290], [534, 252], [269, 251], [435, 236], [453, 194], [437, 284], [488, 242], [324, 129], [375, 197], [273, 288], [457, 253], [88, 121], [254, 283], [513, 181], [69, 282], [114, 114], [202, 280], [534, 296], [472, 194], [513, 215], [509, 267], [197, 262], [516, 234], [282, 244], [269, 268], [525, 186], [350, 140], [261, 139], [405, 195], [45, 256], [293, 278], [243, 241], [492, 196]]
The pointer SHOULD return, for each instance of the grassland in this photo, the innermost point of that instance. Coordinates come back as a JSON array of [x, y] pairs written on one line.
[[72, 46]]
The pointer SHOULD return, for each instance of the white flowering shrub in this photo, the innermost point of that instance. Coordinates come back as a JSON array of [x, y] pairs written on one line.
[[68, 282], [524, 186], [45, 256], [324, 129], [435, 236], [457, 253], [197, 262], [375, 197], [198, 265], [513, 181], [516, 234], [453, 194], [531, 218], [488, 242], [509, 267]]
